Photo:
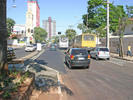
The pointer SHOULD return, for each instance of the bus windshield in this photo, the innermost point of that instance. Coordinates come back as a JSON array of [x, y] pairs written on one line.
[[64, 39], [88, 37]]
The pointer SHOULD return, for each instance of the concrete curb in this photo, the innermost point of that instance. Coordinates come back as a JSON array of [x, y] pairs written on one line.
[[113, 56], [57, 77]]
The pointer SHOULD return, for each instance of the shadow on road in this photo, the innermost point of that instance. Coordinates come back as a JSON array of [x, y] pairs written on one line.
[[66, 89], [45, 84], [41, 62], [34, 66], [75, 68]]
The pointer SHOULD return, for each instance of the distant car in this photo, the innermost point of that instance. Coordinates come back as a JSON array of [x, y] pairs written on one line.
[[43, 44], [100, 53], [52, 47], [30, 48], [77, 57], [35, 46]]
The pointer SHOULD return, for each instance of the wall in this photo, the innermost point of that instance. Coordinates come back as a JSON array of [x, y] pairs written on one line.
[[114, 43]]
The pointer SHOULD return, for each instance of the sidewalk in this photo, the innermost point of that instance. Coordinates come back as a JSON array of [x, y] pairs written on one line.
[[128, 58]]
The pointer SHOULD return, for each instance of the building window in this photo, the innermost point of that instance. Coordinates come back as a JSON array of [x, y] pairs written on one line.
[[28, 30]]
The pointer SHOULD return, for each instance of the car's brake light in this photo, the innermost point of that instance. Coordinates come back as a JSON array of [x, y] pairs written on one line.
[[88, 56], [98, 53], [72, 57]]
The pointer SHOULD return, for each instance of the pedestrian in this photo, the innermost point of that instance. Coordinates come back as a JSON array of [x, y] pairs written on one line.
[[129, 52], [118, 49]]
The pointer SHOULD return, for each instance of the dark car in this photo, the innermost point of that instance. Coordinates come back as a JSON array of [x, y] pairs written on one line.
[[77, 57]]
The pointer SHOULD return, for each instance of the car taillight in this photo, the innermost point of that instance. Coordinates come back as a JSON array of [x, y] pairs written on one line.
[[72, 56], [88, 56], [98, 53]]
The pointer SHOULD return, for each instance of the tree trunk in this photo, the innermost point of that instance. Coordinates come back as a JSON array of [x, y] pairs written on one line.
[[121, 47], [3, 35]]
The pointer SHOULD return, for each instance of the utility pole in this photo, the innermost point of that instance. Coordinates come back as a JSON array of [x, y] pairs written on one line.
[[107, 35]]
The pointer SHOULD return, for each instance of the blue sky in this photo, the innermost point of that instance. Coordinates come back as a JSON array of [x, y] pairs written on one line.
[[66, 12]]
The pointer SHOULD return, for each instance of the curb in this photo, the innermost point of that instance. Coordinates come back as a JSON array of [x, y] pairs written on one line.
[[56, 77], [121, 58]]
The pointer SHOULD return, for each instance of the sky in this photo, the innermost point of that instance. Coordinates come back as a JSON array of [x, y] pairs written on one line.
[[67, 13]]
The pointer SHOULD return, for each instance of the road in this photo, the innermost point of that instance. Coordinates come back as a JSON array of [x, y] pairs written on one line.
[[104, 80], [20, 52]]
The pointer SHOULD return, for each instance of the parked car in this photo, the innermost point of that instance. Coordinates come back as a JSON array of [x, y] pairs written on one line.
[[100, 53], [10, 54], [29, 48], [77, 57]]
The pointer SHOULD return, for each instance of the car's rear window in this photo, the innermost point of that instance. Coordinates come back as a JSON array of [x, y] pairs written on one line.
[[79, 52], [30, 46], [103, 49]]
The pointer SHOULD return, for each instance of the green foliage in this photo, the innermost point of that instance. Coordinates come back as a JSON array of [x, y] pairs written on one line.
[[70, 33], [10, 24], [55, 39], [96, 17], [39, 34], [129, 11], [82, 27], [63, 36], [6, 95]]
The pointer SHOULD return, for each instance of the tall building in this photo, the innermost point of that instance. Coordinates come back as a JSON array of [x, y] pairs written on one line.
[[32, 19], [50, 27]]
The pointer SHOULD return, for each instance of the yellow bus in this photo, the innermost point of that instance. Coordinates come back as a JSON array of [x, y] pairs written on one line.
[[84, 41]]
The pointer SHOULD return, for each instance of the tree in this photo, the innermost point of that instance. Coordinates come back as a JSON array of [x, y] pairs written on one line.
[[82, 27], [95, 19], [10, 24], [39, 34], [129, 11], [3, 36], [70, 33], [55, 39]]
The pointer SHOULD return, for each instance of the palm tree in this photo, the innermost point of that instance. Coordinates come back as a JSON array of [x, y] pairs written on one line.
[[3, 35]]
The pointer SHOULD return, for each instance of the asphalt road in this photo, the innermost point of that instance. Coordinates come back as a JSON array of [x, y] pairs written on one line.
[[104, 80], [53, 59], [20, 52]]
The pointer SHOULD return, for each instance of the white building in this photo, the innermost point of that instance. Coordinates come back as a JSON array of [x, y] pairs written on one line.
[[19, 29]]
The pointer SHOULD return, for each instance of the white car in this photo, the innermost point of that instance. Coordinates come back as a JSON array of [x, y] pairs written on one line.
[[100, 53], [30, 48]]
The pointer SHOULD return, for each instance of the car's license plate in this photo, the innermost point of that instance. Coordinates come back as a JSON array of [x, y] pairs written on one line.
[[81, 58]]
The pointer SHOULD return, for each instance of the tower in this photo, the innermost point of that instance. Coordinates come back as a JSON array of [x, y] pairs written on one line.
[[50, 26], [32, 19]]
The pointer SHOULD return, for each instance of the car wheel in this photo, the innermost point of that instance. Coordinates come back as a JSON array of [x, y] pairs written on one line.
[[65, 62], [108, 58], [88, 66], [97, 58], [69, 65]]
